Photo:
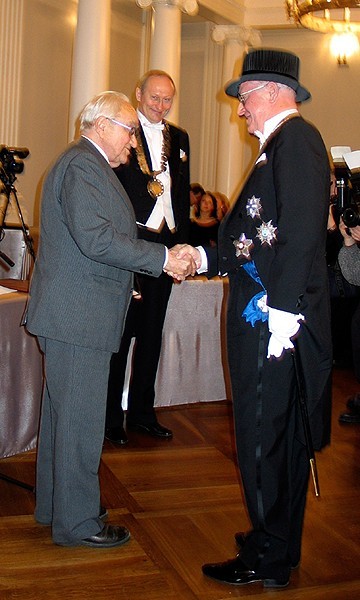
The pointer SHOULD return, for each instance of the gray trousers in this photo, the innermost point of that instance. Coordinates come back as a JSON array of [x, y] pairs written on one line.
[[70, 440]]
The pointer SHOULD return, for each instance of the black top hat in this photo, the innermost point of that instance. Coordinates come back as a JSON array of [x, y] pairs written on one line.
[[270, 65]]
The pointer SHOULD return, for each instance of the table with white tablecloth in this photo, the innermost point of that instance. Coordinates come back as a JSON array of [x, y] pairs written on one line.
[[20, 380]]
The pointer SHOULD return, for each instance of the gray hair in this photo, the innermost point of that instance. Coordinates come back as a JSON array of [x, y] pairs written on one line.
[[283, 86], [107, 104]]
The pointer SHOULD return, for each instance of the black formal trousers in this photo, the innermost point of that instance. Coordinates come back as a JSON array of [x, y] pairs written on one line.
[[144, 322], [272, 456]]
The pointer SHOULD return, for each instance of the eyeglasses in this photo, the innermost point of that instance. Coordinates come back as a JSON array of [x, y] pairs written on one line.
[[242, 97], [131, 130]]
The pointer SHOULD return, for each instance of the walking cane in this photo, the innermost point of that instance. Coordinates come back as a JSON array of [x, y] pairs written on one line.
[[299, 374]]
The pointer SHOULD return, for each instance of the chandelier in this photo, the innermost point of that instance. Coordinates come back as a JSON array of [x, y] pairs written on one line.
[[326, 16]]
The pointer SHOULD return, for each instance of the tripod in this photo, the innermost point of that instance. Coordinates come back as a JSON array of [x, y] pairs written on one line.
[[8, 178], [9, 188]]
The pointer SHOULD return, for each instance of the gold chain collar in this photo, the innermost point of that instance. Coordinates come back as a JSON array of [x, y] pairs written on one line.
[[154, 186]]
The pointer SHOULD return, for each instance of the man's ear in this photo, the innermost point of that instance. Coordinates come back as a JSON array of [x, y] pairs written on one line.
[[138, 94], [100, 124], [273, 90]]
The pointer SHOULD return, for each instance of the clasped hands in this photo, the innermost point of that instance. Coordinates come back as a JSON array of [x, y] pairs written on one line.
[[183, 260]]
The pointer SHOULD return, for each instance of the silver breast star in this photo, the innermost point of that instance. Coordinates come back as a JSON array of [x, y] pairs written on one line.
[[243, 246], [253, 207], [266, 233]]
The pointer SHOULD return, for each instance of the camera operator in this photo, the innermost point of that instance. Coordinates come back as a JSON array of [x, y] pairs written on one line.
[[344, 297], [349, 261]]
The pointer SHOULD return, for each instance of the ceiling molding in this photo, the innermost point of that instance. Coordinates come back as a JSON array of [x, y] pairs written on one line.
[[223, 11], [266, 14]]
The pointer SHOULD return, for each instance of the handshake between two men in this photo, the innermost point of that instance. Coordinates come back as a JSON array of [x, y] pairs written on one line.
[[183, 260], [186, 260]]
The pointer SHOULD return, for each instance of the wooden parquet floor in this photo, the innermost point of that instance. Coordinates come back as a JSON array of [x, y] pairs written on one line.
[[182, 502]]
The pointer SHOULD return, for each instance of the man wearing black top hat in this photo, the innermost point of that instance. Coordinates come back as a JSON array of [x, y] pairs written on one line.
[[272, 246]]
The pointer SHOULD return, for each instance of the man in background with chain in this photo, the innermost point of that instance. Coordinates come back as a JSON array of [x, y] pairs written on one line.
[[157, 181]]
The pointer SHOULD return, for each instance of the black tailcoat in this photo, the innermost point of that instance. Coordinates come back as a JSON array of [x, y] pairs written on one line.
[[145, 318], [290, 184], [135, 182]]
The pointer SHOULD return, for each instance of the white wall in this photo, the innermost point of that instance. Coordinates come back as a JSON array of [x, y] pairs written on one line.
[[45, 91], [334, 107]]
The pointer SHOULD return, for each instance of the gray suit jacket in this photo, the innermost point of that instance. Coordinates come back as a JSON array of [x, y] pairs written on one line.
[[82, 281]]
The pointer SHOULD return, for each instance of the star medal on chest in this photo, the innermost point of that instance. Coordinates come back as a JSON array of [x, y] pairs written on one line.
[[266, 233], [253, 207], [243, 246]]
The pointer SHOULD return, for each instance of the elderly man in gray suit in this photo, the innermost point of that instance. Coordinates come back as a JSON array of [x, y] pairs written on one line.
[[79, 295]]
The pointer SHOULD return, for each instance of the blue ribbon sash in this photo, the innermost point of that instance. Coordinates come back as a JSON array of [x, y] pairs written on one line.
[[252, 313]]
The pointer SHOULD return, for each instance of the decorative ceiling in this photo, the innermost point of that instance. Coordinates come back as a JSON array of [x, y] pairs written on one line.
[[252, 13]]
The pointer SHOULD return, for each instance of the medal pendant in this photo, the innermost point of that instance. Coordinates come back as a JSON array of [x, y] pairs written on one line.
[[155, 188]]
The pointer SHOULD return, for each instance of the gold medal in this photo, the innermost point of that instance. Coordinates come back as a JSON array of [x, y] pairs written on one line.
[[155, 188]]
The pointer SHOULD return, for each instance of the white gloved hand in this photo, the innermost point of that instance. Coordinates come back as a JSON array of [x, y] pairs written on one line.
[[282, 326]]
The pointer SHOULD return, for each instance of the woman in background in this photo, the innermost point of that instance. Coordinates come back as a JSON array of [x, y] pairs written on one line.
[[204, 226]]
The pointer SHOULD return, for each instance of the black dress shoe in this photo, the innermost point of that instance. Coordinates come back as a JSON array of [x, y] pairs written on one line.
[[353, 417], [108, 537], [235, 572], [155, 430], [116, 435]]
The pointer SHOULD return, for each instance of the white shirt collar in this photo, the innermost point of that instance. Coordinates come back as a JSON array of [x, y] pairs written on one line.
[[272, 123], [97, 147], [144, 122]]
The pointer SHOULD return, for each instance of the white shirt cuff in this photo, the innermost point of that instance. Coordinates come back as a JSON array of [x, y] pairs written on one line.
[[204, 260]]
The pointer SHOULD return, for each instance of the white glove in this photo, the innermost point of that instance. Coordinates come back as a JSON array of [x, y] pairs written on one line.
[[282, 326]]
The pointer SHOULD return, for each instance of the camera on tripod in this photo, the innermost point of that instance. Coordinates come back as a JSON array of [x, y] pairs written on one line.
[[11, 163], [347, 173]]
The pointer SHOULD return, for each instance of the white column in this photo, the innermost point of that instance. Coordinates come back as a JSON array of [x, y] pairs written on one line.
[[165, 49], [230, 158], [165, 46], [91, 58]]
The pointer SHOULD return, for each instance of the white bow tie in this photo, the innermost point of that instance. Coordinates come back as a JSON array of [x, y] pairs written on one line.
[[154, 125]]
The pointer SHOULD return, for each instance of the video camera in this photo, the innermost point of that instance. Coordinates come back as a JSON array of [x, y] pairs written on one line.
[[347, 173], [11, 163]]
